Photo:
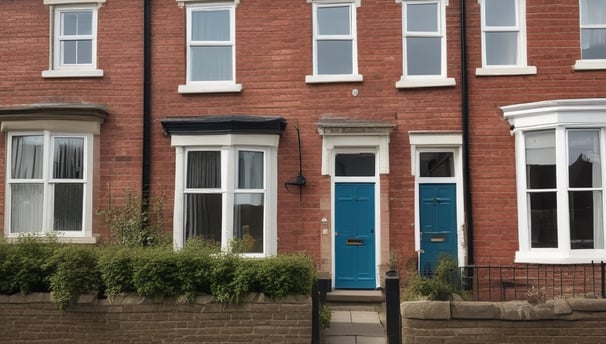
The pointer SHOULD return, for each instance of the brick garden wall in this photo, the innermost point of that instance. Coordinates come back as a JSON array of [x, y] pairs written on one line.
[[560, 321], [132, 319]]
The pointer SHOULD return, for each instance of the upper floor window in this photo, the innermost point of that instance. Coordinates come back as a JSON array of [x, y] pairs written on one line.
[[211, 49], [593, 35], [424, 44], [504, 38], [335, 56], [74, 39], [560, 146]]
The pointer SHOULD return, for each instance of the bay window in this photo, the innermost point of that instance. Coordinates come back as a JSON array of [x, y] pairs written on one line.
[[226, 187], [48, 183], [560, 146]]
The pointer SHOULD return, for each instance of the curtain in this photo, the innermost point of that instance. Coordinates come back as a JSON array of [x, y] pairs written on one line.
[[68, 162], [203, 170], [211, 62], [26, 157], [203, 216], [250, 170], [593, 40]]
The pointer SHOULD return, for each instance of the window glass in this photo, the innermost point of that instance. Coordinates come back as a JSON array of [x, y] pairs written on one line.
[[585, 213], [334, 57], [543, 216], [76, 37], [501, 48], [27, 202], [248, 221], [424, 55], [436, 164], [540, 160], [204, 170], [68, 158], [422, 17], [593, 12], [203, 216], [26, 157], [68, 206], [500, 12], [211, 63], [210, 26], [584, 167], [334, 20], [250, 170], [355, 165]]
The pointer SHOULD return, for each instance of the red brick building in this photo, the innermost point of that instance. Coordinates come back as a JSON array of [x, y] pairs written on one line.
[[355, 131]]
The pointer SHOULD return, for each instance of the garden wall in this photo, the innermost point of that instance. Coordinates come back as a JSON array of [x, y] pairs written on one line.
[[560, 321], [133, 319]]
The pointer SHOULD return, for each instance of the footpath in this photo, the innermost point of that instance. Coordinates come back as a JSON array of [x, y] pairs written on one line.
[[354, 327]]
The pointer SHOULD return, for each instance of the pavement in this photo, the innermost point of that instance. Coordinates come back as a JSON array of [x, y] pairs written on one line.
[[354, 327]]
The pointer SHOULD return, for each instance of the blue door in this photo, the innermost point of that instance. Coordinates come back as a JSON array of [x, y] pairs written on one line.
[[438, 217], [355, 236]]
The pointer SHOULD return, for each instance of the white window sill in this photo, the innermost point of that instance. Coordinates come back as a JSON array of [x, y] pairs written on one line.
[[554, 257], [72, 73], [429, 82], [496, 71], [319, 79], [61, 239], [589, 64], [193, 88]]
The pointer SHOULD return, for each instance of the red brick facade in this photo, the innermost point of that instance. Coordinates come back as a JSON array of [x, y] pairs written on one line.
[[273, 56]]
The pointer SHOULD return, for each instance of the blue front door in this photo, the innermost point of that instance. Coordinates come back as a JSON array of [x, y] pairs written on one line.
[[355, 236], [438, 217]]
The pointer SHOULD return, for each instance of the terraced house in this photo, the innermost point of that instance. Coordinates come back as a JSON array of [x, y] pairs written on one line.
[[359, 132]]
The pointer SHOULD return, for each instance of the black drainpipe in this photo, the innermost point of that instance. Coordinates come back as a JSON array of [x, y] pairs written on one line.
[[146, 172], [465, 125]]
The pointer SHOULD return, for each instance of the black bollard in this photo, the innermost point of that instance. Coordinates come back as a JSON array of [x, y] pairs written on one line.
[[392, 308]]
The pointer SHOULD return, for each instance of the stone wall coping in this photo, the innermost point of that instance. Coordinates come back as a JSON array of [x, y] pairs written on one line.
[[135, 299], [560, 309]]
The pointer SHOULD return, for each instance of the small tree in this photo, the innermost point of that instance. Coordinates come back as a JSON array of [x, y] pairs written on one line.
[[136, 222]]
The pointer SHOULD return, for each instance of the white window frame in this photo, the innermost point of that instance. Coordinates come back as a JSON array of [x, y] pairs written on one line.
[[216, 86], [328, 78], [229, 145], [521, 68], [411, 81], [560, 116], [56, 68], [588, 64], [85, 234]]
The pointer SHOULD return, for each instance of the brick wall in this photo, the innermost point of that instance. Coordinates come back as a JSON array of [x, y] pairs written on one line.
[[132, 319], [560, 321]]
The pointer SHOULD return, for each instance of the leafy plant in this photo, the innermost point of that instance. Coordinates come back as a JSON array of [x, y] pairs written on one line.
[[325, 316], [116, 265], [282, 275], [135, 222], [74, 272], [156, 274], [22, 267], [441, 287]]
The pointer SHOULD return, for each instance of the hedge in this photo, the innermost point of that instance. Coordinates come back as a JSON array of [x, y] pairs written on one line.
[[68, 270]]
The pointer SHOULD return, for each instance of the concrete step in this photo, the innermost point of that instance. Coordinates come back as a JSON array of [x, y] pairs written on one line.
[[356, 300]]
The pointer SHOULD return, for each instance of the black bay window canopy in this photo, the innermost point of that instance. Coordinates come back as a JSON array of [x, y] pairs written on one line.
[[224, 124]]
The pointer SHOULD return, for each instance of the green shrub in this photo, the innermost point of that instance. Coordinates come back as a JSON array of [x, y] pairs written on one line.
[[116, 268], [66, 270], [73, 271], [156, 273], [22, 264], [289, 274], [231, 278]]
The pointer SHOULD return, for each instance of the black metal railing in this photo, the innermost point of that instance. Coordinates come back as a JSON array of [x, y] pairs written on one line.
[[536, 282]]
